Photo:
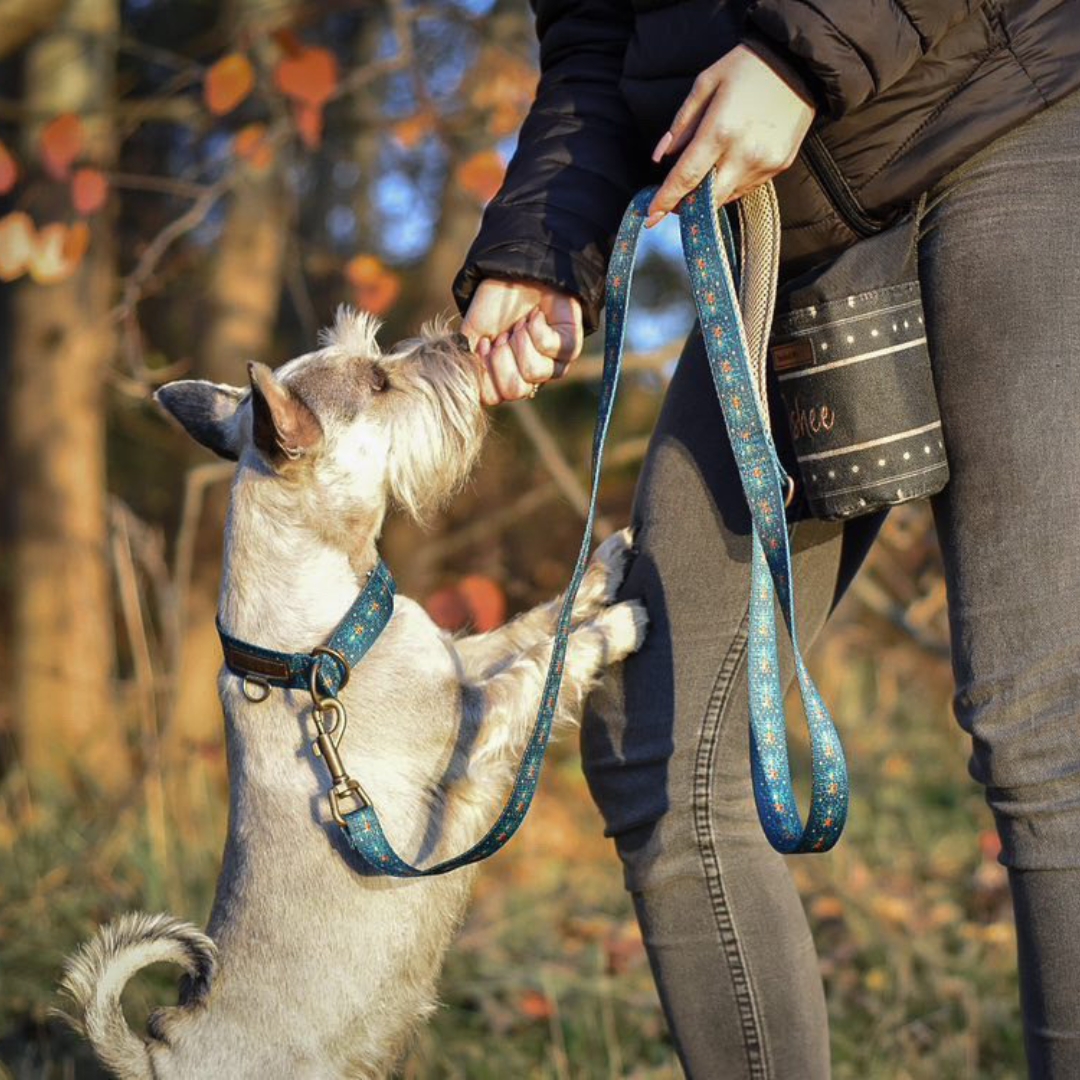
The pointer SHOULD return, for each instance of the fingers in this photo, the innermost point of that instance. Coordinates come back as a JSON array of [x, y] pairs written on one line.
[[516, 363], [690, 112], [558, 333], [705, 149]]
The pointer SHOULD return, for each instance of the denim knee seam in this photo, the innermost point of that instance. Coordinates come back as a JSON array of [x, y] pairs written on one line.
[[715, 711]]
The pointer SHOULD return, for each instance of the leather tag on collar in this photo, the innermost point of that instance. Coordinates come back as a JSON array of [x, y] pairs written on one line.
[[246, 663]]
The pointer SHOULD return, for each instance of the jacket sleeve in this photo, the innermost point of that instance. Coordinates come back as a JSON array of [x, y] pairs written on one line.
[[850, 50], [579, 159]]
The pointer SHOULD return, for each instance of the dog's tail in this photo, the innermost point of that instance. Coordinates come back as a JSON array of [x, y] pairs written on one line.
[[95, 976]]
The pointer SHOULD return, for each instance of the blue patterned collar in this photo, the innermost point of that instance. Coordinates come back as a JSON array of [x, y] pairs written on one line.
[[355, 634]]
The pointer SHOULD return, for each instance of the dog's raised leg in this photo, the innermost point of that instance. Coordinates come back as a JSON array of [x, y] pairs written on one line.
[[483, 655], [507, 704]]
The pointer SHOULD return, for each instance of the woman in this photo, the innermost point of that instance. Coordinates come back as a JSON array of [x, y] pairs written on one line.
[[855, 108]]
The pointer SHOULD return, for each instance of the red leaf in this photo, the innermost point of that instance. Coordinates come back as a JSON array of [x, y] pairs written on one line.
[[485, 600], [447, 608], [309, 122], [536, 1006], [228, 82], [17, 239], [482, 174], [9, 170], [375, 286], [309, 76], [89, 190], [412, 131], [252, 146], [989, 845], [61, 143]]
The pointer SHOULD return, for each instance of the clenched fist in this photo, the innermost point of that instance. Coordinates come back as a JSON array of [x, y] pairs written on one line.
[[524, 333]]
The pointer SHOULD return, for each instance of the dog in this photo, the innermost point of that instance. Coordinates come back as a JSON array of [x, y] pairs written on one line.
[[311, 967]]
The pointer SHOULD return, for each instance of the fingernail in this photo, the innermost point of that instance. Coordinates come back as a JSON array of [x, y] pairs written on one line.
[[483, 347], [661, 146], [655, 218]]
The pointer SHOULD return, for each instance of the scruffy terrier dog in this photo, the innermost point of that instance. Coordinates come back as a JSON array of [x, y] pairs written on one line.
[[310, 969]]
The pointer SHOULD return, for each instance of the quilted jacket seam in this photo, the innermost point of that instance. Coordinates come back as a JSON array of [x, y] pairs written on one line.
[[931, 117], [848, 42]]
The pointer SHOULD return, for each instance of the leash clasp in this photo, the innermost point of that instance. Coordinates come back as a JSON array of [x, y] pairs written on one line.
[[345, 789]]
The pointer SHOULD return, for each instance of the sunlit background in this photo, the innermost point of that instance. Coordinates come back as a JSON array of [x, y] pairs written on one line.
[[185, 187]]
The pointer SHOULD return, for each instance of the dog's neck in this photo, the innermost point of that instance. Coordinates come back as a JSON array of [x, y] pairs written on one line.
[[284, 586]]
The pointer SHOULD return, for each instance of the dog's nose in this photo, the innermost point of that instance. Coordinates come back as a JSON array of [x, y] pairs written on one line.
[[461, 341]]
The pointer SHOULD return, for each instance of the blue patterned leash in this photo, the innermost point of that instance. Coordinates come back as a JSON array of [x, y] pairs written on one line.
[[764, 483]]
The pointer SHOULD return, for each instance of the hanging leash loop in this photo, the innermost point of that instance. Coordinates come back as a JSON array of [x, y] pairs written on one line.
[[737, 367]]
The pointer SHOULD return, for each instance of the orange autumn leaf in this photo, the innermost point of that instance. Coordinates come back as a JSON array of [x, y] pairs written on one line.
[[228, 82], [58, 251], [482, 174], [61, 143], [309, 122], [309, 76], [536, 1006], [251, 145], [17, 238], [375, 286], [485, 600], [411, 131], [9, 170], [448, 609], [89, 190]]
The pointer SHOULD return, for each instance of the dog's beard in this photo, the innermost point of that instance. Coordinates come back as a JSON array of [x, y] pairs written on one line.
[[439, 426]]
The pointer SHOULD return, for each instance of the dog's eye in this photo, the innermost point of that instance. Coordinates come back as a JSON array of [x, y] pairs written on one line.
[[380, 381]]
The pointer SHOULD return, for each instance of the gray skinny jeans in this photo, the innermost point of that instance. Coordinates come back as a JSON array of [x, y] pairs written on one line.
[[665, 741]]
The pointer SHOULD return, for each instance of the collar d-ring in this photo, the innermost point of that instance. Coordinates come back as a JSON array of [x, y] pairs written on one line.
[[343, 670]]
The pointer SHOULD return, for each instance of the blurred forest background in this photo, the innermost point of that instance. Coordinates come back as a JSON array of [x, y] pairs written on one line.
[[186, 186]]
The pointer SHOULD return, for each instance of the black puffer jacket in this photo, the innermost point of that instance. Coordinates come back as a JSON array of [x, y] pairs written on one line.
[[905, 90]]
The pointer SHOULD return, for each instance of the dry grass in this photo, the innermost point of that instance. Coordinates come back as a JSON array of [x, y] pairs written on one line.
[[549, 979]]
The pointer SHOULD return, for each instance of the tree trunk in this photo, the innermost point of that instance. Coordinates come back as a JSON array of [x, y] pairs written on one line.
[[242, 306], [63, 344]]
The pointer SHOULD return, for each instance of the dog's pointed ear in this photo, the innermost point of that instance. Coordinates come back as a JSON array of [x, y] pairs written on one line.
[[206, 411], [282, 426]]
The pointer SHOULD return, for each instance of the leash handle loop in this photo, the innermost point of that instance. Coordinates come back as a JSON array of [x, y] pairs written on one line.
[[767, 490]]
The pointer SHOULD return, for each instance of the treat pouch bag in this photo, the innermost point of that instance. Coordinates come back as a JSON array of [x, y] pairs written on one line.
[[849, 352]]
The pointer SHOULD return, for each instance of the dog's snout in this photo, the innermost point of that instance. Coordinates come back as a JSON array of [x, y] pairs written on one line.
[[461, 341]]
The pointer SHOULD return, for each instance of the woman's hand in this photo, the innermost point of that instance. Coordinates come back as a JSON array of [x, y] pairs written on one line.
[[524, 333], [740, 116]]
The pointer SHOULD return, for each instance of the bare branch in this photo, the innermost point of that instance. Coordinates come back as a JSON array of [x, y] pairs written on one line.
[[482, 529]]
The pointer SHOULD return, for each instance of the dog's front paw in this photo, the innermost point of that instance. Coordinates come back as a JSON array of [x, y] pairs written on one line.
[[604, 575], [624, 626]]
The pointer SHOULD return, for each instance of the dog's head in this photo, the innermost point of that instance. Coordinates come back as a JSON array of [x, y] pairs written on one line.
[[349, 426]]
